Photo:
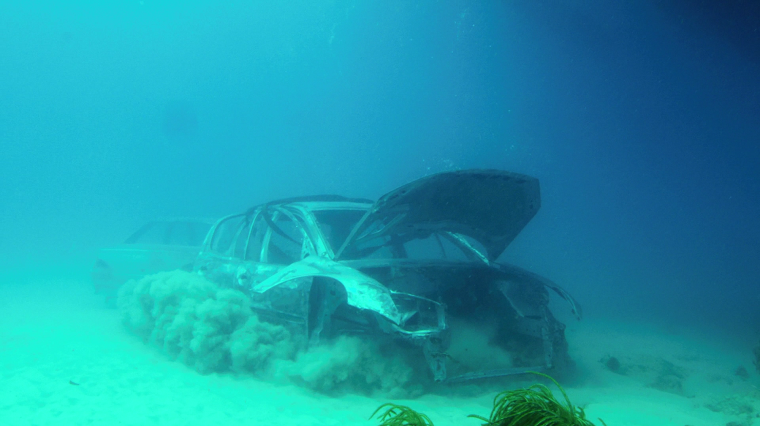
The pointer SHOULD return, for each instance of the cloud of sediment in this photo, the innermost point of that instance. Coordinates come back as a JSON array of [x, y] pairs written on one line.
[[213, 330]]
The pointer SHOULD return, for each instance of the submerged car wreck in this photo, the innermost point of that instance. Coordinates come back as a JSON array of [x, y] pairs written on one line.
[[159, 245], [417, 267]]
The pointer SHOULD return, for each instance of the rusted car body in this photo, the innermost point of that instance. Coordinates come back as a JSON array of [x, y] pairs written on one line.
[[411, 266], [159, 245]]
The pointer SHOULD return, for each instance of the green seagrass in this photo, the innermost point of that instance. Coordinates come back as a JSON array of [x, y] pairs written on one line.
[[531, 406], [534, 406], [400, 415]]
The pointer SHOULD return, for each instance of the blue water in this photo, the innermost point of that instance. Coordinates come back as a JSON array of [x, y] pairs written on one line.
[[641, 120]]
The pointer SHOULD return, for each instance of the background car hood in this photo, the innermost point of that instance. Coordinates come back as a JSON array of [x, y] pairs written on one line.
[[490, 206]]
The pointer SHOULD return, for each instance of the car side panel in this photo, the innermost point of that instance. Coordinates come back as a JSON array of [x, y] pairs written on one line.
[[362, 291]]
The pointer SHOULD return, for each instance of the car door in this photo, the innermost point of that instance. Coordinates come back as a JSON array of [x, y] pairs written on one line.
[[284, 241], [232, 255]]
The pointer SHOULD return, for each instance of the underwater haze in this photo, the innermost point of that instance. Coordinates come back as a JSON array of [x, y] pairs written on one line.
[[641, 120]]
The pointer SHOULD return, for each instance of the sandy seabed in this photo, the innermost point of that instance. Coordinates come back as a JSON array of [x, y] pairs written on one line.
[[65, 359]]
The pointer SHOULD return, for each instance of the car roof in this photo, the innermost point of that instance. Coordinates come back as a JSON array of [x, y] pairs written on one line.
[[489, 206], [307, 199]]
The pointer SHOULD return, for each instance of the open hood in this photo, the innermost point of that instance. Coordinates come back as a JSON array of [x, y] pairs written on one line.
[[490, 206]]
